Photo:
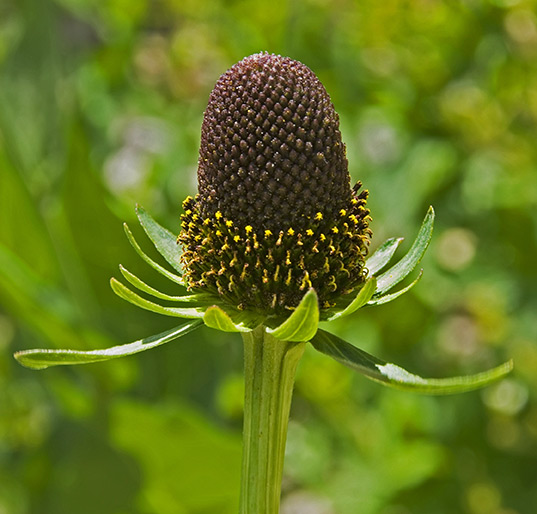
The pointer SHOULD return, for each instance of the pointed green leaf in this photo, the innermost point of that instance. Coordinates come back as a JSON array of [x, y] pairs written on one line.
[[397, 377], [389, 297], [382, 255], [124, 292], [165, 242], [217, 318], [163, 271], [41, 359], [398, 272], [199, 299], [302, 324], [362, 298]]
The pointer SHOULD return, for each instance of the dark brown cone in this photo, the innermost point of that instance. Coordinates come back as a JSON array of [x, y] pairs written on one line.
[[271, 154]]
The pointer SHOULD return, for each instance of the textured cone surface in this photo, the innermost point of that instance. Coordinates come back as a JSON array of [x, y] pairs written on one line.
[[275, 214], [271, 154]]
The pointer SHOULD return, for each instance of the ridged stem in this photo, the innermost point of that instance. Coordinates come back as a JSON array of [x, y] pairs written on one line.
[[270, 366]]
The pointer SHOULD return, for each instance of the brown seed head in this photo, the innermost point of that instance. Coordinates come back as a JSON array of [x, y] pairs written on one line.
[[275, 215], [271, 154]]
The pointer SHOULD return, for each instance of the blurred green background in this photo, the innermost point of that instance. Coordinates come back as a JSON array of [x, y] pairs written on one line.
[[101, 104]]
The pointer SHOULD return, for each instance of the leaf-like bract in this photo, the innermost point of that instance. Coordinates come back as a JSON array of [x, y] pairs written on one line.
[[382, 256], [216, 317], [200, 299], [163, 271], [379, 300], [165, 242], [361, 299], [302, 324], [41, 359], [395, 376], [399, 271], [179, 312]]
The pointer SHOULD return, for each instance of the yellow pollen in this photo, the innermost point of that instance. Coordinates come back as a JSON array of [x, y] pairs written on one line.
[[354, 201], [289, 278], [268, 233], [188, 212], [218, 233], [335, 230], [206, 221], [248, 229], [218, 215], [343, 212], [237, 238], [309, 232], [195, 217], [319, 216], [229, 223], [322, 237], [291, 232]]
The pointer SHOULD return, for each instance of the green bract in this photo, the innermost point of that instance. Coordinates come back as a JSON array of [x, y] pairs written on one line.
[[300, 325]]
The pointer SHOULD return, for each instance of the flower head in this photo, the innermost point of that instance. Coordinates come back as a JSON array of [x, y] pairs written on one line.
[[276, 239], [275, 215]]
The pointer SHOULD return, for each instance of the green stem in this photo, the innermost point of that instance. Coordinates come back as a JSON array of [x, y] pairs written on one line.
[[269, 366]]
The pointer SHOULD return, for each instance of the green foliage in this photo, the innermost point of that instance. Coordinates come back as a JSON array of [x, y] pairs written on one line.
[[100, 108]]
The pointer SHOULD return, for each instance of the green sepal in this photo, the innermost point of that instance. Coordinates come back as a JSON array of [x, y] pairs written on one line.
[[216, 317], [379, 300], [163, 271], [401, 270], [41, 359], [397, 377], [302, 324], [165, 242], [362, 298], [382, 256], [142, 286], [179, 312]]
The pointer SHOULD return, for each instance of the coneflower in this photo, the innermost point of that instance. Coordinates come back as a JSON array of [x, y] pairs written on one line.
[[275, 241], [275, 215]]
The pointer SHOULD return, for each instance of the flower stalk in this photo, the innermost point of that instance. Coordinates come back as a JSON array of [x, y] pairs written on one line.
[[270, 366]]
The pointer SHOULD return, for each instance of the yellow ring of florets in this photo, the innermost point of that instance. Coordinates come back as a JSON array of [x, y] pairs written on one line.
[[270, 272]]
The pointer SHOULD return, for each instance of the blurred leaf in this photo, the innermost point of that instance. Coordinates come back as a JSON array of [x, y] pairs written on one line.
[[188, 465], [40, 305], [397, 377], [41, 359], [22, 229]]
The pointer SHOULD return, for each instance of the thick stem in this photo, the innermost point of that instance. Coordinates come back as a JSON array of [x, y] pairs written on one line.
[[269, 366]]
